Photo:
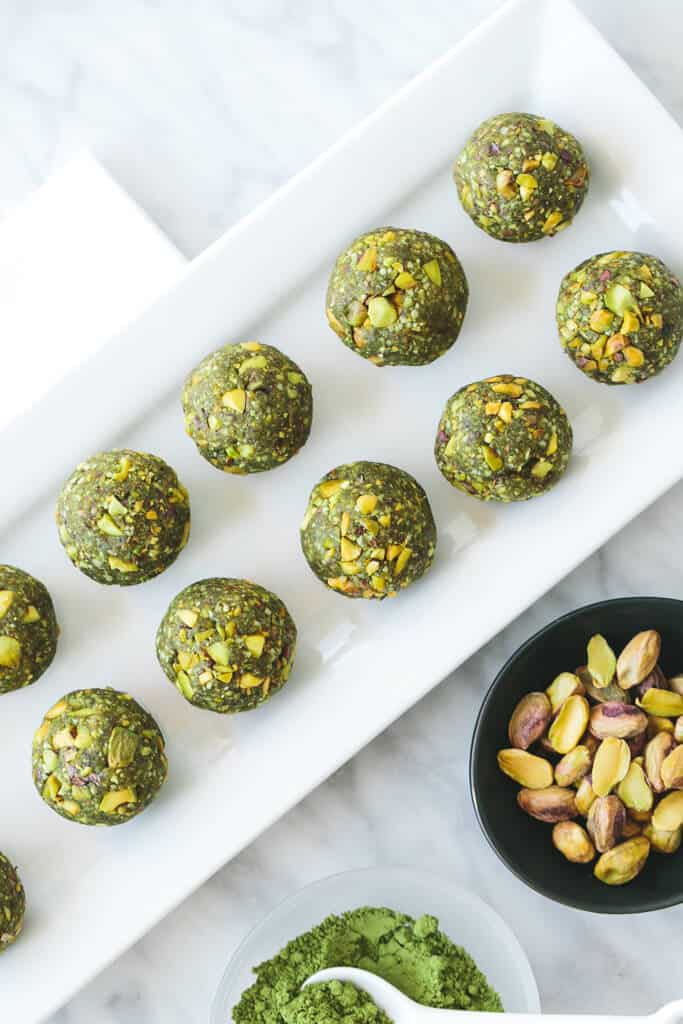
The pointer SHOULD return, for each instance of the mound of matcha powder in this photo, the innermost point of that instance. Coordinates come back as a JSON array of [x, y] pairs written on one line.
[[333, 1001], [411, 954]]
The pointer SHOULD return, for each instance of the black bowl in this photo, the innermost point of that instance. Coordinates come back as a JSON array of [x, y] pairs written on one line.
[[524, 844]]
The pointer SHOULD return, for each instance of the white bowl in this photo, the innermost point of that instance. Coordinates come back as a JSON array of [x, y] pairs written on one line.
[[463, 917]]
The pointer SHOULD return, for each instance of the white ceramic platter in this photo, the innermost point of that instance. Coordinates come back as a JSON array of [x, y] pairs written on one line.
[[93, 892]]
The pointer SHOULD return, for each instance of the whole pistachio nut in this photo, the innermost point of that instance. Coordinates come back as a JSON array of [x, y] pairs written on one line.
[[655, 679], [668, 814], [638, 658], [610, 765], [622, 863], [672, 769], [573, 842], [527, 769], [585, 797], [634, 790], [552, 804], [529, 720], [632, 828], [606, 820], [678, 729], [655, 724], [573, 766], [676, 684], [604, 693], [664, 703], [657, 750], [663, 842], [637, 744], [563, 687], [616, 719], [601, 661], [566, 731]]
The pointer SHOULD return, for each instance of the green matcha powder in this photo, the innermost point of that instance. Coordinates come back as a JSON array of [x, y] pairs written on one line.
[[411, 954]]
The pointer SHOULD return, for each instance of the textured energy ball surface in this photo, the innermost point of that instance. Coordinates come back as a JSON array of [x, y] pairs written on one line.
[[28, 629], [12, 903], [620, 316], [521, 177], [123, 517], [397, 297], [503, 439], [98, 757], [368, 530], [247, 407], [227, 645]]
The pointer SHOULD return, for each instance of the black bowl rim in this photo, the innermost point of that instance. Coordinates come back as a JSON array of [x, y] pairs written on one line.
[[633, 907]]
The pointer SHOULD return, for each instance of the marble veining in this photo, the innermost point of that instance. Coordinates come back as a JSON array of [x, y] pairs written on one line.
[[201, 111]]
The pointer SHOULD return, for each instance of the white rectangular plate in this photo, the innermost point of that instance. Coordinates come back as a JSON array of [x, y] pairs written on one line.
[[93, 892]]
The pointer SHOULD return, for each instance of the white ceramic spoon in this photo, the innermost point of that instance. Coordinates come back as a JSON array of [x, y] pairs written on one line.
[[403, 1010]]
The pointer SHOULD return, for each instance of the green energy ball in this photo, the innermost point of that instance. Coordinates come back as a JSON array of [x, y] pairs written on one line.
[[98, 757], [123, 517], [12, 904], [521, 177], [227, 645], [248, 408], [503, 439], [620, 316], [397, 297], [28, 629], [368, 530], [333, 1002]]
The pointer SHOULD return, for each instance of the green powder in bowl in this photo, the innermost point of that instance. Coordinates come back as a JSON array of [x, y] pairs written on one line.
[[412, 954]]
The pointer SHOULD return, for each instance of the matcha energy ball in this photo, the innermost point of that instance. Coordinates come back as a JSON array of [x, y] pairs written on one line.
[[12, 903], [123, 517], [98, 757], [521, 177], [247, 407], [397, 297], [620, 316], [227, 645], [503, 439], [368, 530], [28, 629]]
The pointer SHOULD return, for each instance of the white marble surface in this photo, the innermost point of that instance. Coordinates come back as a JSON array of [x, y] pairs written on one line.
[[200, 110]]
